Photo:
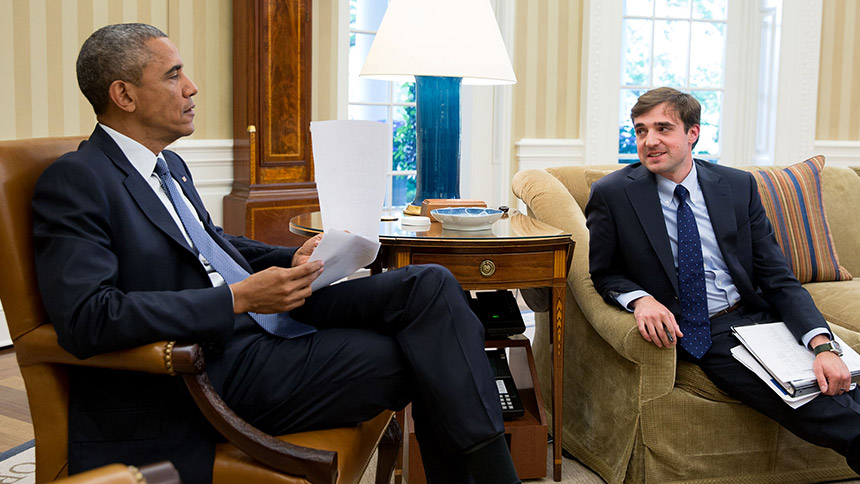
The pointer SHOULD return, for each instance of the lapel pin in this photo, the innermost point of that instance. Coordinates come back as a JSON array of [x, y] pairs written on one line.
[[184, 179]]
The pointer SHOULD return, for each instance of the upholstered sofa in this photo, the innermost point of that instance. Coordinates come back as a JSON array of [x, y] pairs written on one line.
[[628, 405]]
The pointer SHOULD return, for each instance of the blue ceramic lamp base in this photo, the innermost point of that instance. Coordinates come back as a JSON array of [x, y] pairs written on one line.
[[437, 111]]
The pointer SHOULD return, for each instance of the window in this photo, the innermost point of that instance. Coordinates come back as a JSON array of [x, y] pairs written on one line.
[[677, 43], [388, 102]]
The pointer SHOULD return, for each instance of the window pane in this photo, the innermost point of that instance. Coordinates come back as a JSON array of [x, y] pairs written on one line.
[[368, 113], [626, 137], [637, 52], [708, 42], [709, 9], [673, 8], [404, 92], [366, 14], [361, 89], [644, 8], [709, 135], [402, 190], [671, 41], [403, 135]]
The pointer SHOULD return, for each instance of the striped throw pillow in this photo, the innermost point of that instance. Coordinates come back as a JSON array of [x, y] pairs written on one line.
[[792, 199]]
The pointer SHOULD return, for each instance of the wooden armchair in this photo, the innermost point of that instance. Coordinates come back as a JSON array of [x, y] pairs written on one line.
[[329, 456]]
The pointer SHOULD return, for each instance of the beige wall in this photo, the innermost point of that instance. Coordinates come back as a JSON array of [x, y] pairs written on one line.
[[839, 77], [548, 62], [40, 40]]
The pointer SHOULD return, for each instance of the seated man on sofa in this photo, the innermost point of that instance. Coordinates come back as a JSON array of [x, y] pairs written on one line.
[[126, 255], [686, 246]]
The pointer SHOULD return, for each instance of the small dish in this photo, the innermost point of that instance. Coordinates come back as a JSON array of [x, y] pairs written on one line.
[[465, 218]]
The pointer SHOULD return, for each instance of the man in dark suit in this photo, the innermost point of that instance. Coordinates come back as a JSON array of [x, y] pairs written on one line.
[[120, 265], [644, 229]]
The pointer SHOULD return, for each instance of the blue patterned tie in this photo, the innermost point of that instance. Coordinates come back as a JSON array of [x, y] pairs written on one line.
[[279, 324], [695, 323]]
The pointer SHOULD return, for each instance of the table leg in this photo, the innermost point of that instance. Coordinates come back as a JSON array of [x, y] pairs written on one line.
[[557, 338], [400, 415]]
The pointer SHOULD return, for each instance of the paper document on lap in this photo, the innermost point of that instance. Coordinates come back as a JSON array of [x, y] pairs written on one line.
[[350, 173], [776, 352], [741, 354]]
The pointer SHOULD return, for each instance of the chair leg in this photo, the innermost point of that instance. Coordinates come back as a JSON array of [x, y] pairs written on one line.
[[389, 446]]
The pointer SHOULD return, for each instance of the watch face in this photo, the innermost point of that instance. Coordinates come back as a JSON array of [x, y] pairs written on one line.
[[837, 348]]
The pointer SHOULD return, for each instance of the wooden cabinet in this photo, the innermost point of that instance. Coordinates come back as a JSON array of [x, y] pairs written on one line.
[[273, 171]]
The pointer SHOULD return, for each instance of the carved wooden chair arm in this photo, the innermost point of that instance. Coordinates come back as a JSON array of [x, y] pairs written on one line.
[[186, 360]]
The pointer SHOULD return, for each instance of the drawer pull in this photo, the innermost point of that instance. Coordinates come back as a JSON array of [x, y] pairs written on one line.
[[488, 268]]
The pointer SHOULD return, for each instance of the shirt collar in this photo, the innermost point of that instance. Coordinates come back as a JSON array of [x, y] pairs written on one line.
[[666, 187], [140, 157]]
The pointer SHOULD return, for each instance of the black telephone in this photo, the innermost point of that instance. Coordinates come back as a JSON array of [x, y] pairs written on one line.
[[509, 397], [499, 312]]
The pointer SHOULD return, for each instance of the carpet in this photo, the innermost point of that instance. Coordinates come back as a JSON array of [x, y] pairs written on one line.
[[18, 465]]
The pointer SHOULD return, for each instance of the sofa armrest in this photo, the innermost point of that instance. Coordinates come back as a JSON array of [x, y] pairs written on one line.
[[550, 201]]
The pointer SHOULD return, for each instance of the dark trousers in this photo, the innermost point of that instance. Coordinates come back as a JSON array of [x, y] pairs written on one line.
[[827, 421], [383, 341]]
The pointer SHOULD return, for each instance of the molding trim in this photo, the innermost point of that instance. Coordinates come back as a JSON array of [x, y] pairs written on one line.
[[838, 153], [544, 153], [800, 50], [601, 48], [502, 110]]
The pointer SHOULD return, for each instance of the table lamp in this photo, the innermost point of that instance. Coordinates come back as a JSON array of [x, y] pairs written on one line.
[[440, 44]]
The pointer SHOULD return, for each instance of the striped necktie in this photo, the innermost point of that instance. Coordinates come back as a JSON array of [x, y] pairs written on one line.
[[279, 324]]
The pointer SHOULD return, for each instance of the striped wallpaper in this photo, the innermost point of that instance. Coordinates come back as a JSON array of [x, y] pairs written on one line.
[[839, 76], [548, 63], [40, 40]]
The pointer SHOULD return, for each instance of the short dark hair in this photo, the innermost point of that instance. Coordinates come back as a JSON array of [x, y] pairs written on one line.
[[687, 107], [114, 52]]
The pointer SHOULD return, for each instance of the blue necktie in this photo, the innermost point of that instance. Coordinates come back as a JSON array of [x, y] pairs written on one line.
[[695, 323], [279, 324]]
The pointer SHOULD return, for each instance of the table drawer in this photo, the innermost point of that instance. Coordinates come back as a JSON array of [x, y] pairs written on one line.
[[477, 268]]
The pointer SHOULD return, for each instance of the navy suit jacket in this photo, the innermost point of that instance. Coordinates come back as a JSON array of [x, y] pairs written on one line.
[[115, 272], [629, 246]]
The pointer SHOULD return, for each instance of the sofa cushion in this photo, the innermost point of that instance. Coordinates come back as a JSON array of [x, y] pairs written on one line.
[[792, 199], [838, 301]]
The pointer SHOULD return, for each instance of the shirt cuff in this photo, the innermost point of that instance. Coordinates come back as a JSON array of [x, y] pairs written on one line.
[[629, 297], [806, 338]]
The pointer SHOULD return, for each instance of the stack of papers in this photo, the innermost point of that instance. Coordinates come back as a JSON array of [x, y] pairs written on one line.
[[773, 353]]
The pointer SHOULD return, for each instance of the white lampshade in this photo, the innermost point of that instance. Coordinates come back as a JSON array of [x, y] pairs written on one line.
[[450, 38]]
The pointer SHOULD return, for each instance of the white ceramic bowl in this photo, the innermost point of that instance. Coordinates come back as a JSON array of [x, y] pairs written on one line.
[[466, 218]]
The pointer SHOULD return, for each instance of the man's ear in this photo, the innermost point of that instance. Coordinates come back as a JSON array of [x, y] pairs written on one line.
[[693, 134], [122, 95]]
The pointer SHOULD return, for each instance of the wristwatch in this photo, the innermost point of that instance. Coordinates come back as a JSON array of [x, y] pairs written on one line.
[[831, 346]]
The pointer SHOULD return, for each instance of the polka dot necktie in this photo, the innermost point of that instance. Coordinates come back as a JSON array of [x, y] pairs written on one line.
[[279, 324], [694, 323]]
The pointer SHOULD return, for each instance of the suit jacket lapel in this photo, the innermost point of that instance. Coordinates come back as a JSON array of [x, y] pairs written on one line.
[[177, 169], [718, 198], [642, 193], [139, 189]]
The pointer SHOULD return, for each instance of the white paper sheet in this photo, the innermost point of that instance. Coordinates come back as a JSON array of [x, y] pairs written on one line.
[[349, 166], [342, 254]]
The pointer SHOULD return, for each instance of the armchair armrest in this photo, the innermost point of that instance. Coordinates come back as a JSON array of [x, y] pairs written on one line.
[[187, 360]]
